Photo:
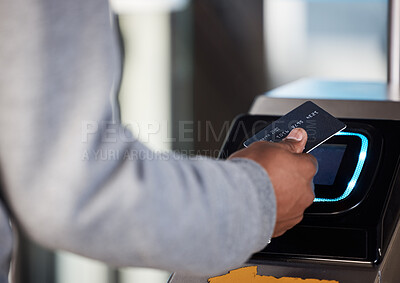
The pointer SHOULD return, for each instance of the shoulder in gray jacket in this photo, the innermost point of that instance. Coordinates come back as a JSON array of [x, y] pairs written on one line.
[[59, 60]]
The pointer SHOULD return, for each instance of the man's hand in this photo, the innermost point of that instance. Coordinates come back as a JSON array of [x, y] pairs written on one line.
[[291, 173]]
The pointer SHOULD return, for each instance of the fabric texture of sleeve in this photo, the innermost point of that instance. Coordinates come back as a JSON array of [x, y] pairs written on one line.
[[72, 187]]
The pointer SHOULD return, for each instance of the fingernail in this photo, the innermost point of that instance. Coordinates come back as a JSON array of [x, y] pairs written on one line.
[[295, 134]]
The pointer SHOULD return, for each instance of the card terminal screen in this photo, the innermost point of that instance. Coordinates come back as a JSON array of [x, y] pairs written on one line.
[[329, 157]]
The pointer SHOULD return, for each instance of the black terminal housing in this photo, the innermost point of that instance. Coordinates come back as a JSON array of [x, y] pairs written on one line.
[[356, 228]]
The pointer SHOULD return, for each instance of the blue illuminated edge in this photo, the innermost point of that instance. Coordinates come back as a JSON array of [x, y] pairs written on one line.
[[357, 172]]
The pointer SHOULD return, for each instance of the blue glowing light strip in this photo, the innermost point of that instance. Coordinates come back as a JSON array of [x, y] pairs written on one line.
[[357, 172]]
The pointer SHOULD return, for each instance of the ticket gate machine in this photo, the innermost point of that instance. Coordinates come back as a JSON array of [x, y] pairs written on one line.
[[351, 232], [356, 204]]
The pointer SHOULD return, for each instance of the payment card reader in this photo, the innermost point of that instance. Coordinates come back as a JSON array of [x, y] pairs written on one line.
[[351, 232], [357, 193]]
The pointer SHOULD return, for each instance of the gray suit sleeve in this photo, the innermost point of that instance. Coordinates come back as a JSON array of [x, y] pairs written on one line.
[[77, 186]]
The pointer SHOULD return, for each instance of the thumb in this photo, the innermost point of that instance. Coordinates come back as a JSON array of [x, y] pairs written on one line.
[[296, 140]]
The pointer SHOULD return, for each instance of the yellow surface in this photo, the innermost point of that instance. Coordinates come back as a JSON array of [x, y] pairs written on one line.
[[249, 275]]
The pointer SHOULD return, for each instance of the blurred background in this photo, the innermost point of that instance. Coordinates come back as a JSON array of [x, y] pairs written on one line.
[[196, 64]]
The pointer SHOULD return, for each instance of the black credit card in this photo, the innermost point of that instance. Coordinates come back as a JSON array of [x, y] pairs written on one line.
[[319, 125]]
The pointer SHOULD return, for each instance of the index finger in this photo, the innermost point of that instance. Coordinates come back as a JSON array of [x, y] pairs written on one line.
[[312, 161]]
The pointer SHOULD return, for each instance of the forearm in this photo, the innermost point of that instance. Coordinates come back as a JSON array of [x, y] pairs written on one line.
[[56, 75], [190, 216]]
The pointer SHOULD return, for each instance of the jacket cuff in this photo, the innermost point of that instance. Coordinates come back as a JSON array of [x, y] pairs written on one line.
[[266, 196]]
